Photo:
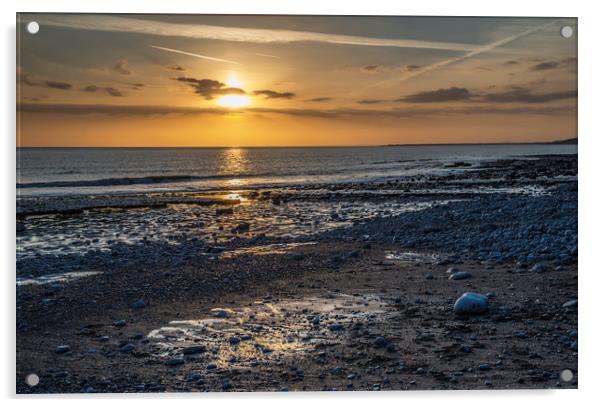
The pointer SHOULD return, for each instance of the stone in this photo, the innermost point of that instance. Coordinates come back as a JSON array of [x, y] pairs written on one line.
[[119, 323], [538, 268], [471, 304], [428, 276], [191, 350], [62, 349], [224, 211], [139, 304], [220, 313], [335, 327], [175, 362], [380, 342], [128, 347], [570, 304], [460, 275], [452, 270]]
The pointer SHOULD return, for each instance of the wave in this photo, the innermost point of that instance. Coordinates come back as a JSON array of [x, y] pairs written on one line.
[[153, 179]]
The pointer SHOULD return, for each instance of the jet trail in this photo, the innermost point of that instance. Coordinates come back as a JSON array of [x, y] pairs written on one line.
[[177, 51]]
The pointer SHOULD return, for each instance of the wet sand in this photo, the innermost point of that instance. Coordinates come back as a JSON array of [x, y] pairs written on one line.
[[308, 319]]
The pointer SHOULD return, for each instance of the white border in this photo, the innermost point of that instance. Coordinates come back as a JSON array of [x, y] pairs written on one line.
[[589, 185]]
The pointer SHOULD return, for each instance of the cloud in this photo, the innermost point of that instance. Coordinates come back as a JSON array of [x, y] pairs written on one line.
[[212, 32], [107, 89], [370, 101], [138, 110], [370, 68], [548, 65], [412, 68], [190, 54], [30, 80], [209, 88], [58, 85], [320, 99], [122, 67], [272, 94], [175, 68], [510, 62], [544, 66], [439, 95], [521, 95]]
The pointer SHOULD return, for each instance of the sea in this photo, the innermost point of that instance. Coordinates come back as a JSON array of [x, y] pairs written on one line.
[[76, 171]]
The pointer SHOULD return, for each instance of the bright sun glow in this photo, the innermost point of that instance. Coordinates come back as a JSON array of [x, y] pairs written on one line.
[[233, 80], [233, 101]]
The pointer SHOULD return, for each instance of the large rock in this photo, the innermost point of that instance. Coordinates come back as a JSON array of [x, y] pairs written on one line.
[[471, 304]]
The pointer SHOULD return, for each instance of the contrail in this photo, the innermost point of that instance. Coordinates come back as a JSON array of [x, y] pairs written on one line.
[[238, 34], [485, 48], [480, 50], [177, 51]]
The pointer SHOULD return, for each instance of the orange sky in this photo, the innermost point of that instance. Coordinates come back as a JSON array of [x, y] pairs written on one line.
[[94, 80]]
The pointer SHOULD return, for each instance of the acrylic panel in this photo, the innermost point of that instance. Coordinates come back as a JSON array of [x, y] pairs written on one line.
[[295, 203]]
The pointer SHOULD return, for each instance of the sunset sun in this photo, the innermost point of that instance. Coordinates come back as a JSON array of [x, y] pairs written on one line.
[[233, 101]]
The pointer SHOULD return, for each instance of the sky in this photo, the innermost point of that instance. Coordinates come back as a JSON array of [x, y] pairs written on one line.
[[93, 80]]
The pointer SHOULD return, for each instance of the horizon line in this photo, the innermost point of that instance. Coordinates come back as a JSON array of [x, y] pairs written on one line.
[[322, 146]]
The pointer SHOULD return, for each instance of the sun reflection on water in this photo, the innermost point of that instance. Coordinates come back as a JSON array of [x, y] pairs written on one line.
[[234, 163]]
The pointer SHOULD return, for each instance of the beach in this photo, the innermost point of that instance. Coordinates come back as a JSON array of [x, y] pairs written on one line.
[[343, 283]]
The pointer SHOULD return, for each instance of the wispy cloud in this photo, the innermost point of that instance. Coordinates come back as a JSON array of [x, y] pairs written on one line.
[[255, 35], [190, 54]]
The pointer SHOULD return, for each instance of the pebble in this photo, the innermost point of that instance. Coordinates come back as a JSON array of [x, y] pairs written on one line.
[[139, 304], [62, 349], [119, 323], [220, 313], [128, 347], [460, 275], [335, 327], [570, 304], [471, 304], [175, 362], [191, 350], [380, 342]]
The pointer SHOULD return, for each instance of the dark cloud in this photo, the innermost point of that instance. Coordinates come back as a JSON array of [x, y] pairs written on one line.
[[544, 66], [511, 62], [137, 86], [439, 95], [175, 68], [548, 65], [412, 68], [370, 68], [370, 101], [208, 88], [522, 95], [320, 99], [114, 92], [272, 94], [58, 85], [122, 67], [107, 89]]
